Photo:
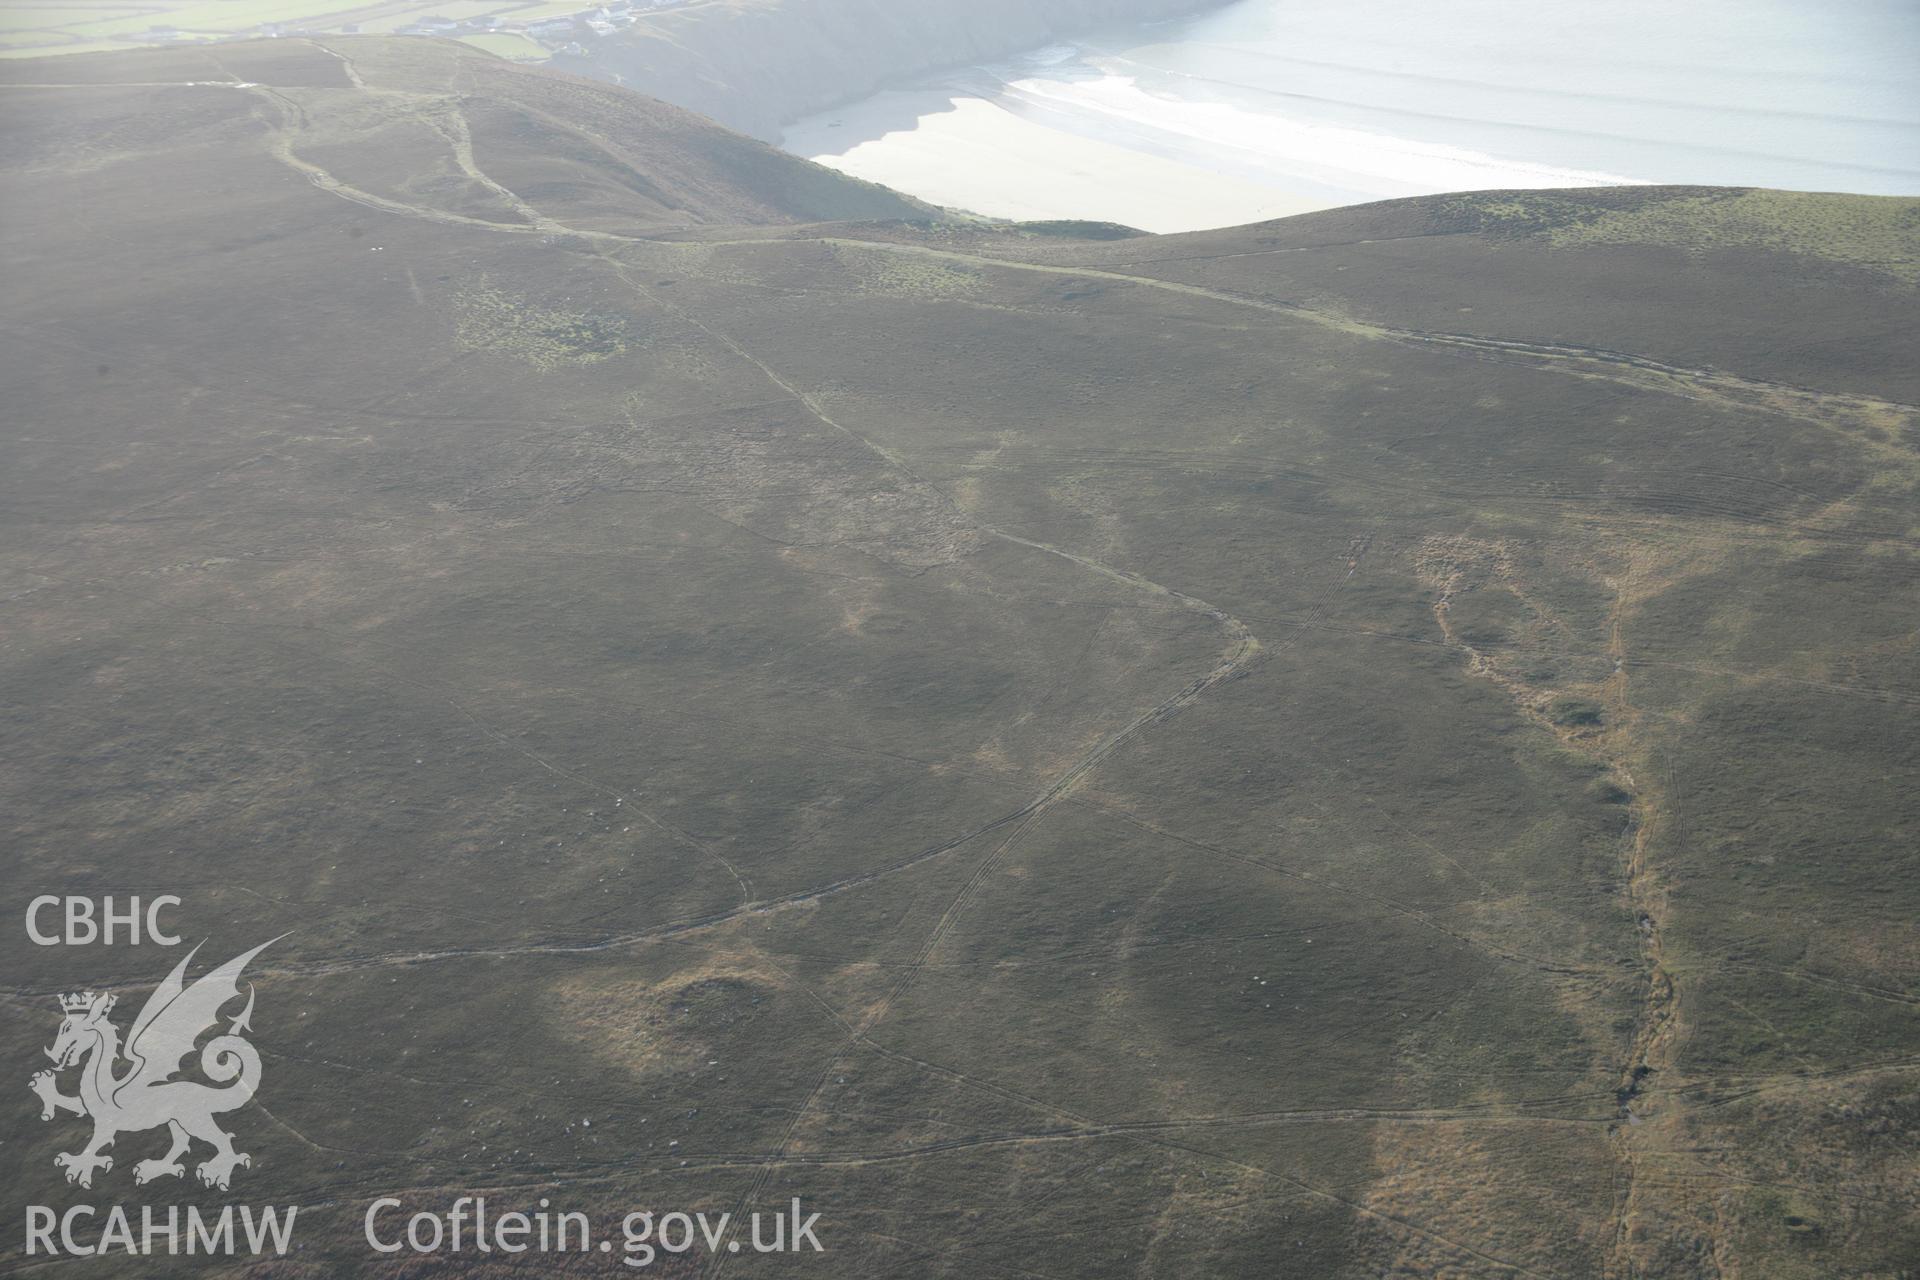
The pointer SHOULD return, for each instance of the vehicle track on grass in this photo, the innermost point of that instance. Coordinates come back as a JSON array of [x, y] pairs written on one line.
[[294, 118], [347, 66], [1074, 1127], [1642, 372], [1242, 648], [1725, 389], [1855, 416]]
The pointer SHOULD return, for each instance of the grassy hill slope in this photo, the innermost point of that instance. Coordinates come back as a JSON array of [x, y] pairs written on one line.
[[1376, 744], [410, 120]]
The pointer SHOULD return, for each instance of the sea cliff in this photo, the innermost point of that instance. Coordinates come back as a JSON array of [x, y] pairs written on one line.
[[755, 65]]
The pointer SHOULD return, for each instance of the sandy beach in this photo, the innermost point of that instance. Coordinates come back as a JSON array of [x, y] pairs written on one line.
[[1271, 107], [967, 153]]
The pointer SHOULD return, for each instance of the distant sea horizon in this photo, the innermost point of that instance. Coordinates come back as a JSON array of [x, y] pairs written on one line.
[[1265, 108]]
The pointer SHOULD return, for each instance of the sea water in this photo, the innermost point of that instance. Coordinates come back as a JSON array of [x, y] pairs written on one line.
[[1263, 108]]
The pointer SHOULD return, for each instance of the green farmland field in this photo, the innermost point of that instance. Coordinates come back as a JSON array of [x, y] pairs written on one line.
[[76, 26]]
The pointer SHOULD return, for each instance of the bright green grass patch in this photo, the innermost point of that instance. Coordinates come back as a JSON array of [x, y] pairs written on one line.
[[506, 45], [11, 49], [56, 18], [548, 9], [209, 17], [1878, 232], [226, 15], [39, 29], [389, 22]]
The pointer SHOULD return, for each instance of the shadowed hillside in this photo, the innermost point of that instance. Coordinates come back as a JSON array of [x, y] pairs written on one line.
[[755, 65], [1375, 744]]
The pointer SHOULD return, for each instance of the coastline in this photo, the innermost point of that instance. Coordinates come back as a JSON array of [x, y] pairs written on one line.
[[1271, 107], [757, 66], [965, 153]]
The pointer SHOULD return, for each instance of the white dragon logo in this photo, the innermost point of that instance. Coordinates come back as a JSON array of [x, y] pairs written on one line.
[[145, 1096]]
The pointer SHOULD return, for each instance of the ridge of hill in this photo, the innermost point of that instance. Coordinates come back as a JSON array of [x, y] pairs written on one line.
[[395, 120]]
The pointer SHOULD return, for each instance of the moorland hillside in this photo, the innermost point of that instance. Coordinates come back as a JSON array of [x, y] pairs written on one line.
[[1381, 743]]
